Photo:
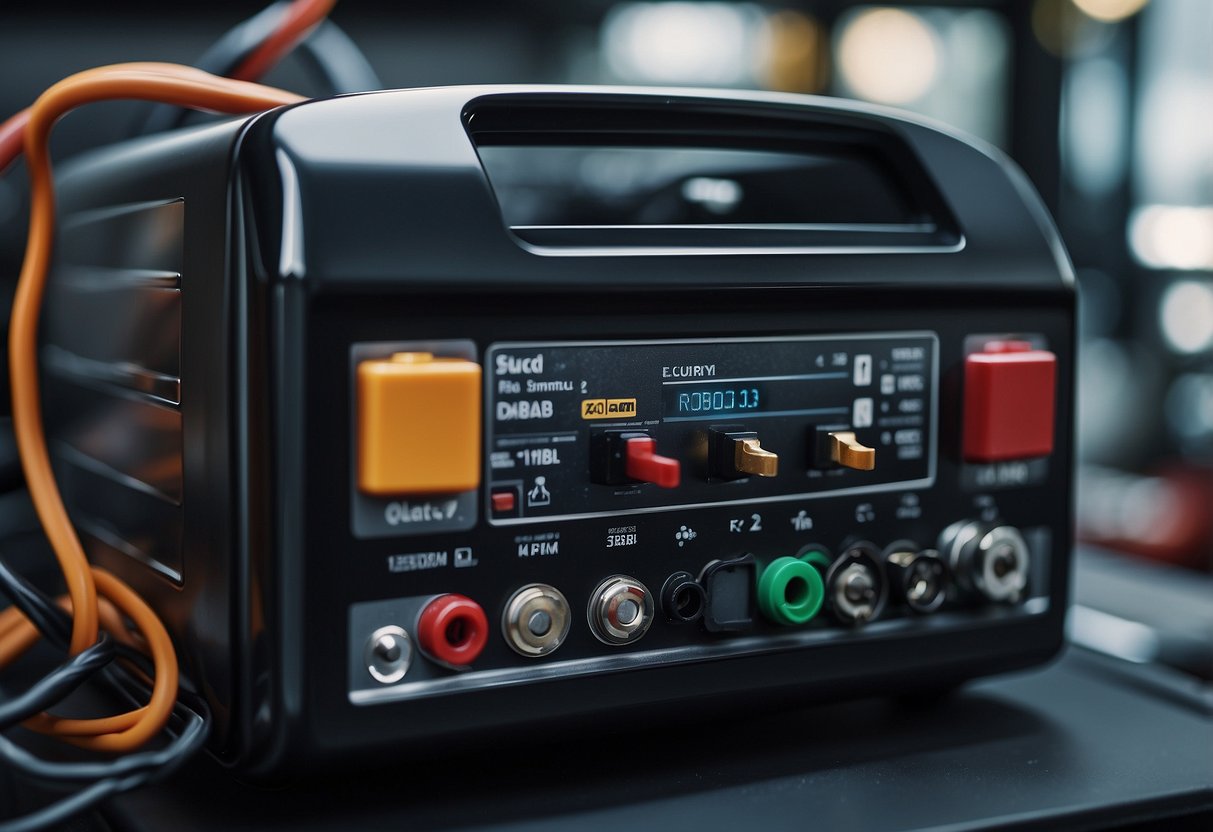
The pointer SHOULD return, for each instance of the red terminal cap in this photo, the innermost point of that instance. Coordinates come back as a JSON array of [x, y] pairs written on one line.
[[645, 465], [453, 629]]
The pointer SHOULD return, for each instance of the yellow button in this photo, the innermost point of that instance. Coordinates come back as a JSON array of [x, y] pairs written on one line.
[[418, 425]]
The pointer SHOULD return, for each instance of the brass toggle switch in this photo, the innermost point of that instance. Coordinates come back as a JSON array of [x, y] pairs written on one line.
[[847, 452], [749, 457], [736, 453]]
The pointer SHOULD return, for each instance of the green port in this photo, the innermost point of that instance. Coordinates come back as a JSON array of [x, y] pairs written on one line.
[[790, 591], [816, 557]]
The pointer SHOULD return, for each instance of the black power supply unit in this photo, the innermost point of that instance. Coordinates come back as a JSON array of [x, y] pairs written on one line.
[[428, 414]]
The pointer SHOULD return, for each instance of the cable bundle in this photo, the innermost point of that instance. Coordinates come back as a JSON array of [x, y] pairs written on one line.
[[90, 621], [188, 722]]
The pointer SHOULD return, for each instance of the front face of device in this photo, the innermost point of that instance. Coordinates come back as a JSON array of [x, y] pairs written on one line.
[[641, 496], [560, 403]]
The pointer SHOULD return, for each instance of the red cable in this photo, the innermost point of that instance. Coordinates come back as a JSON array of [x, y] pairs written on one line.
[[300, 18], [12, 138]]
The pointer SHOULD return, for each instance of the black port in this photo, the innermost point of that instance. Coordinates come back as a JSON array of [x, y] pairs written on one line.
[[683, 599], [918, 578], [728, 585], [856, 587]]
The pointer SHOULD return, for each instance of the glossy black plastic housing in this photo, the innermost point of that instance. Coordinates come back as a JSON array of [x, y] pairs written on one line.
[[370, 218]]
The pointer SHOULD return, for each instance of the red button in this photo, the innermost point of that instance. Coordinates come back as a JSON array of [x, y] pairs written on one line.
[[645, 465], [1009, 402], [503, 501]]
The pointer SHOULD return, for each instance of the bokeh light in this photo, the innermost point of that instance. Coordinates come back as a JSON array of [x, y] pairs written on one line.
[[1172, 236], [710, 44], [889, 56], [1110, 11], [798, 53], [1186, 316]]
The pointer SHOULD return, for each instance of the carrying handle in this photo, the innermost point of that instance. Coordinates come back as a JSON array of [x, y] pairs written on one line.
[[862, 152]]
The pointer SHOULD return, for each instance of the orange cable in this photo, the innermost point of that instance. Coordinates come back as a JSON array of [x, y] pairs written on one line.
[[181, 86], [125, 732], [164, 83], [21, 634], [13, 643]]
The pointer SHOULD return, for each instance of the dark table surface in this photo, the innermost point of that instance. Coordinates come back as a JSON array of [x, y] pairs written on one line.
[[1087, 742]]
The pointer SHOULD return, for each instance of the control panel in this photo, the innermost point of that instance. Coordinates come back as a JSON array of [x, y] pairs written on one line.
[[595, 429], [604, 504]]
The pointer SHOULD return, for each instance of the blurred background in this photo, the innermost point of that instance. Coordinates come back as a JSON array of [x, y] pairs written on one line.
[[1106, 104]]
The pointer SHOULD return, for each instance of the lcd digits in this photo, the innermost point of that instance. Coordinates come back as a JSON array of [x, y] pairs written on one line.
[[711, 401]]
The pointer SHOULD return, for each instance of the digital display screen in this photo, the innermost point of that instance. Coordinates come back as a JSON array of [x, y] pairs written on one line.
[[713, 400]]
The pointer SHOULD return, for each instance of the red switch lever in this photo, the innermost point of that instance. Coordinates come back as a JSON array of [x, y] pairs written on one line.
[[645, 465]]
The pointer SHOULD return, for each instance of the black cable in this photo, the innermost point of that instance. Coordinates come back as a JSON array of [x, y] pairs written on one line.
[[327, 51], [189, 724], [38, 606], [237, 43], [96, 780], [222, 57], [61, 810], [54, 686], [38, 602], [50, 620], [190, 738], [333, 56], [112, 776], [53, 621]]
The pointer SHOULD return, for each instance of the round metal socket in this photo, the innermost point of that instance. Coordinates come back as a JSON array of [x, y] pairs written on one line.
[[918, 578], [989, 560], [856, 588], [388, 654], [620, 610], [536, 620]]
